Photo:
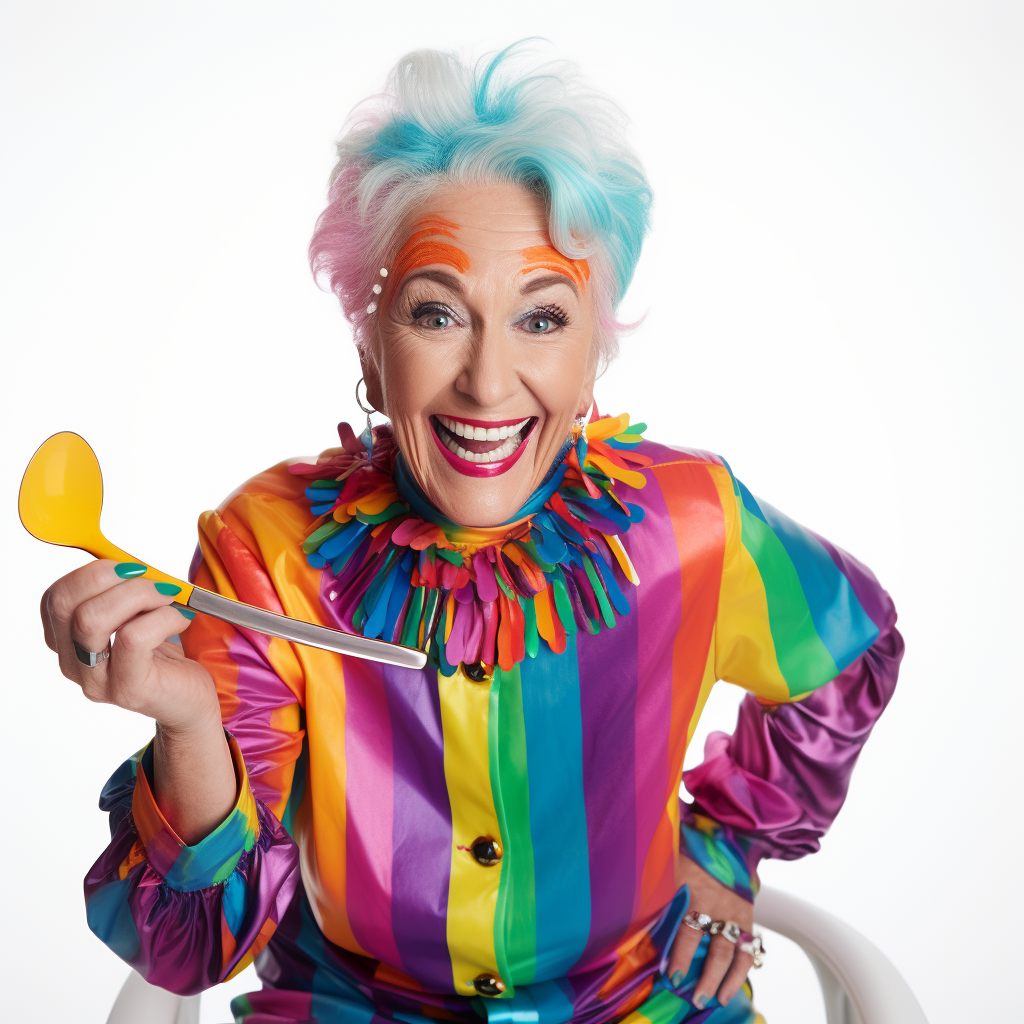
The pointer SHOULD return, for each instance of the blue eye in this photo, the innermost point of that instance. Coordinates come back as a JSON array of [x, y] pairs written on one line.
[[439, 321], [539, 325]]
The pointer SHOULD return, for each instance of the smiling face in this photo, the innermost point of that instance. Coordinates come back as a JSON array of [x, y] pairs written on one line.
[[483, 353]]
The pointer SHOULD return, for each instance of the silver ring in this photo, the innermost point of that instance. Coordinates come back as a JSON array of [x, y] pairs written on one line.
[[729, 930], [755, 948], [698, 922], [90, 658]]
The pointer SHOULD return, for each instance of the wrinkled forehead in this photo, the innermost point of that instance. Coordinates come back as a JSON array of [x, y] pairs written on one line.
[[477, 230]]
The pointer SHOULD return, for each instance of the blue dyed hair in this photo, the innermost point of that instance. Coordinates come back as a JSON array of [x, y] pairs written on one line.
[[508, 119]]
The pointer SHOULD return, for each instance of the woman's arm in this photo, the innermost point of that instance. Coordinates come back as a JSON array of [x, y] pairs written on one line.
[[189, 890], [811, 633]]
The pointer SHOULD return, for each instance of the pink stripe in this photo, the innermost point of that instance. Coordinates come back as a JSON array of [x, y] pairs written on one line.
[[370, 811]]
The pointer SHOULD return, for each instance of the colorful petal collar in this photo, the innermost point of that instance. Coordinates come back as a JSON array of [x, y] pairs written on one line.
[[406, 574]]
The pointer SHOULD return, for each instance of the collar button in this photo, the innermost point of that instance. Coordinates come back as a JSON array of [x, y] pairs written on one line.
[[477, 671]]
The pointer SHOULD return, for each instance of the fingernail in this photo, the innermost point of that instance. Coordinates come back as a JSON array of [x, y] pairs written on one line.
[[699, 1000], [187, 612], [167, 589], [677, 979], [129, 570]]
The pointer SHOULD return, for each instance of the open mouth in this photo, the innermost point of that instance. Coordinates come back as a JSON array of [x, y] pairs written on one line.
[[475, 445]]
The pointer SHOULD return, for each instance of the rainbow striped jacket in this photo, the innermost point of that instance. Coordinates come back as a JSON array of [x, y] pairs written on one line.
[[498, 840]]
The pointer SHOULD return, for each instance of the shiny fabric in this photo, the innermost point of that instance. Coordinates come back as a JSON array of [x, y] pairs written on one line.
[[357, 886]]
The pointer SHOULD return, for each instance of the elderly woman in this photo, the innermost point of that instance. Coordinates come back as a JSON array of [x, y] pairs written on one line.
[[499, 834]]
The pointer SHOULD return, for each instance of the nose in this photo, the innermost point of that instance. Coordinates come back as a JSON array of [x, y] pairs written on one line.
[[489, 375]]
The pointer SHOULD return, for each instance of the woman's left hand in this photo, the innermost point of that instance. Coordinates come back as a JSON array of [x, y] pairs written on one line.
[[725, 966]]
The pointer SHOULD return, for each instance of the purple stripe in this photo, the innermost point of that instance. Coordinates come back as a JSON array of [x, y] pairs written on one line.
[[608, 673], [873, 599], [422, 827], [658, 616]]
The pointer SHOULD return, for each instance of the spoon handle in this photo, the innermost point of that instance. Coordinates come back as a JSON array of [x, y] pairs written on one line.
[[100, 547]]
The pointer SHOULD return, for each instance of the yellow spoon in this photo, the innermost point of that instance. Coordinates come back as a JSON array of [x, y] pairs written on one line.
[[60, 501]]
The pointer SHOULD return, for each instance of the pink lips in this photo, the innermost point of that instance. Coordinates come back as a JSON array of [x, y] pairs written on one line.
[[483, 469]]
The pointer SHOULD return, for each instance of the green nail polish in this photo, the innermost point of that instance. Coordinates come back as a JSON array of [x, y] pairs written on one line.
[[677, 979], [167, 589], [700, 1000], [129, 570], [187, 612]]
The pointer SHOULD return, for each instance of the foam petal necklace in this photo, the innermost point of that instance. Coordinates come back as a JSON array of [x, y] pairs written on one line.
[[407, 574]]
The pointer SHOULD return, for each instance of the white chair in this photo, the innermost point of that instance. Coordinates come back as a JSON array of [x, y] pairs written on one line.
[[859, 984]]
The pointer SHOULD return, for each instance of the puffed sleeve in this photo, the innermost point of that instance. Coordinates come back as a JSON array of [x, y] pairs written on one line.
[[187, 917], [809, 631]]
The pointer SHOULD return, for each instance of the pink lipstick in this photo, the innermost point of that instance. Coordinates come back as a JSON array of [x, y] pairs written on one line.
[[481, 448]]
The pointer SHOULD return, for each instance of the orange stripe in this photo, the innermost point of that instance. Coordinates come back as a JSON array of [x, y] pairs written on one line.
[[419, 251], [547, 257], [698, 526]]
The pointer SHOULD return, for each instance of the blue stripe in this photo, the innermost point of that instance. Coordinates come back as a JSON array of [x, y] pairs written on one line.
[[109, 914], [558, 823], [842, 624]]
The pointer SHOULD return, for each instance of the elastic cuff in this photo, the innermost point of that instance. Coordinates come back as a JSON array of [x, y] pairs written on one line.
[[721, 853], [211, 860]]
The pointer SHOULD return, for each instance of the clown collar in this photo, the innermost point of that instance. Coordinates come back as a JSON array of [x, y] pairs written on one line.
[[402, 572]]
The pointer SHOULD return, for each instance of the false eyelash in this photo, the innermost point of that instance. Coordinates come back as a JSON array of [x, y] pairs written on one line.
[[553, 312], [421, 309]]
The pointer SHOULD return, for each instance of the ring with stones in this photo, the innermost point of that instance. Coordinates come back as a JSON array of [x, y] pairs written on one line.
[[754, 947], [698, 922], [729, 930]]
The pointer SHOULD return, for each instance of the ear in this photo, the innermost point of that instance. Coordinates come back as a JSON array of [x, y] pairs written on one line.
[[586, 399], [371, 378]]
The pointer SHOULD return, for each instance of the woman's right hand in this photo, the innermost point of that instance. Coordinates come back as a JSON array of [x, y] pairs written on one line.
[[145, 672]]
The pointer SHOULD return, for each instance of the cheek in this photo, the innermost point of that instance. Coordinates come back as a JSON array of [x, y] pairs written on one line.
[[411, 375], [561, 377]]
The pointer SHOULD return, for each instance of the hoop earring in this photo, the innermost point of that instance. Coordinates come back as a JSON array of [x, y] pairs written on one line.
[[367, 435]]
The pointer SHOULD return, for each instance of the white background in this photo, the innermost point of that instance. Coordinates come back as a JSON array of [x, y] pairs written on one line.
[[832, 291]]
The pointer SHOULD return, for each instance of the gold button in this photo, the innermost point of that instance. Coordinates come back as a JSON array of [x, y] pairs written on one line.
[[486, 851], [488, 985], [477, 671]]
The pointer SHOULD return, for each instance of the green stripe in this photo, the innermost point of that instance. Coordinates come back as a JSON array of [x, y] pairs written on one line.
[[515, 922], [664, 1007], [798, 648]]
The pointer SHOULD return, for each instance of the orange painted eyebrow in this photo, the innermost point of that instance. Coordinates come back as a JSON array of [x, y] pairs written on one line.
[[422, 249], [547, 257]]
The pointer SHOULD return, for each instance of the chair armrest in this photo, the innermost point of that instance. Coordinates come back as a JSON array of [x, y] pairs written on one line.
[[139, 1001], [860, 985]]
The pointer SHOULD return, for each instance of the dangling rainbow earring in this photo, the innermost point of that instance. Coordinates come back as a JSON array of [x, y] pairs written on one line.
[[367, 435]]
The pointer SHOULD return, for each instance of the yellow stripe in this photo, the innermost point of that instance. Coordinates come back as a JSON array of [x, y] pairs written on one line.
[[473, 890], [708, 680], [744, 648]]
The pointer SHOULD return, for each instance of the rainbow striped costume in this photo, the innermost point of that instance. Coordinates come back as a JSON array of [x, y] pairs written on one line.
[[497, 835]]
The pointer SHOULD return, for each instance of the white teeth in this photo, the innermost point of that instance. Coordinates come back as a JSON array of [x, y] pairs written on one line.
[[509, 435]]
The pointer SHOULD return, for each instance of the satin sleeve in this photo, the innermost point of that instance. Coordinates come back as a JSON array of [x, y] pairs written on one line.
[[187, 917], [810, 632]]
